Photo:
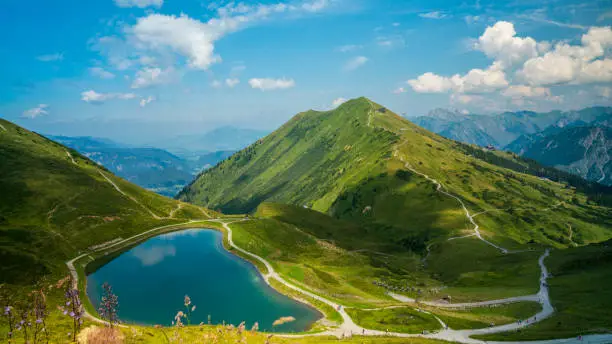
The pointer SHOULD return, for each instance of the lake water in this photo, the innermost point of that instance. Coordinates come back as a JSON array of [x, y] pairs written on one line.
[[152, 279]]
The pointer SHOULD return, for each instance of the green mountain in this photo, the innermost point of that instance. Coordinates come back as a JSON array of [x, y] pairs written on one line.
[[364, 164], [56, 203], [582, 150], [499, 130]]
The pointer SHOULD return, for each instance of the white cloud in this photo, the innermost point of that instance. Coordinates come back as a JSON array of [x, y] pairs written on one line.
[[51, 57], [41, 109], [355, 63], [399, 90], [395, 24], [145, 101], [475, 81], [433, 15], [231, 82], [94, 97], [266, 84], [431, 83], [101, 73], [338, 101], [139, 3], [577, 64], [151, 76], [526, 91], [195, 39], [216, 84], [348, 48], [188, 37], [501, 43]]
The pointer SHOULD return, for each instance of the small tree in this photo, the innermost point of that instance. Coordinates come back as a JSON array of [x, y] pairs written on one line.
[[109, 305]]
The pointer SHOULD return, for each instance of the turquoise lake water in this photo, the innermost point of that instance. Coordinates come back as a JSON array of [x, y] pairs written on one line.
[[152, 279]]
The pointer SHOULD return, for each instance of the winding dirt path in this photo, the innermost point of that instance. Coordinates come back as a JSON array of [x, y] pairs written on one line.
[[155, 216]]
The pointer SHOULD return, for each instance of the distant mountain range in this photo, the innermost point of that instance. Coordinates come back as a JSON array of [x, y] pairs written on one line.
[[579, 141], [152, 168]]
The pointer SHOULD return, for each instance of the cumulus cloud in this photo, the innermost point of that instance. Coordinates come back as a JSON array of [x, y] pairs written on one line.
[[231, 82], [267, 84], [51, 57], [577, 64], [475, 81], [101, 73], [526, 91], [338, 101], [94, 97], [195, 39], [139, 3], [501, 43], [399, 90], [523, 69], [188, 37], [41, 109], [433, 15], [355, 63]]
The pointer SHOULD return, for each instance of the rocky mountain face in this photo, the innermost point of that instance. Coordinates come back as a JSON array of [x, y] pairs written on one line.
[[573, 141]]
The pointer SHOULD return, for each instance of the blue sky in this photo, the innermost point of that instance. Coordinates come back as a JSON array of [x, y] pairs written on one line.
[[144, 70]]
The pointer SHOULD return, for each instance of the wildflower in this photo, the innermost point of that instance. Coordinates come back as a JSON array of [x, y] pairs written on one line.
[[193, 308], [7, 310], [255, 327], [187, 301], [65, 312], [72, 314]]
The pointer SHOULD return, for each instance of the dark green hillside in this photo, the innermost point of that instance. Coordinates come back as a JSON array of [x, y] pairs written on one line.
[[363, 163], [56, 203]]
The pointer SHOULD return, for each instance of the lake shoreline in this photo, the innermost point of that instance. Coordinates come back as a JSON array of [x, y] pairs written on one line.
[[103, 256]]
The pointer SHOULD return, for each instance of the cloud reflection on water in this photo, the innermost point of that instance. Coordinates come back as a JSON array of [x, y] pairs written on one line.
[[149, 256]]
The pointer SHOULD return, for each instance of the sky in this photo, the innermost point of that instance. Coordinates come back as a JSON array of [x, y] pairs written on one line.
[[141, 71]]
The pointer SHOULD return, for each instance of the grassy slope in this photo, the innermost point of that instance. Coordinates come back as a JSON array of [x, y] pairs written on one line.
[[579, 292], [483, 317], [405, 320], [51, 208], [349, 162]]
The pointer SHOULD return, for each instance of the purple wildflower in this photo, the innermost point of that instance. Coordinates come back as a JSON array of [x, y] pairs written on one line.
[[39, 321]]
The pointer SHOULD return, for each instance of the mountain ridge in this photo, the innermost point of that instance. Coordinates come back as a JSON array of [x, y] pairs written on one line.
[[350, 163]]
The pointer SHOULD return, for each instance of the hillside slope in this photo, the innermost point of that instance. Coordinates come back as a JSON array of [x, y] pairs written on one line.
[[56, 203], [152, 168], [363, 163]]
